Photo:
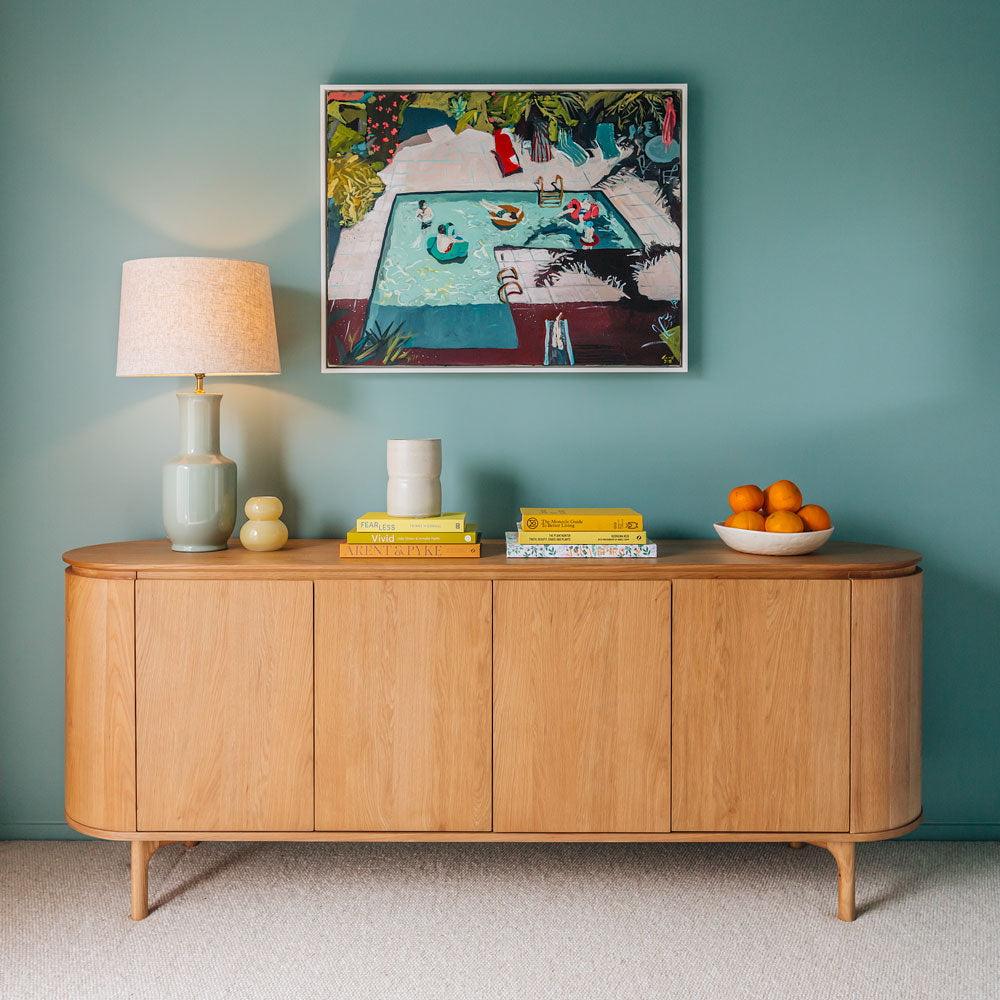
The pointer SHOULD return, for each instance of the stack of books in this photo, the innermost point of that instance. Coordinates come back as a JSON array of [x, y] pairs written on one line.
[[579, 532], [379, 536]]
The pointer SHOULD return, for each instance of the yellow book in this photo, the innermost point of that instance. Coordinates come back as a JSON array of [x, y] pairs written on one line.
[[381, 521], [580, 519], [471, 534], [351, 551], [581, 537]]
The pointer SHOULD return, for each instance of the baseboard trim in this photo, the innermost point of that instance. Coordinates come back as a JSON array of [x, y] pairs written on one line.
[[59, 830], [44, 829], [955, 831]]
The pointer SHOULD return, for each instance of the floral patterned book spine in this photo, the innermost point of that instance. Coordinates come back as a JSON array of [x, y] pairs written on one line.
[[515, 550]]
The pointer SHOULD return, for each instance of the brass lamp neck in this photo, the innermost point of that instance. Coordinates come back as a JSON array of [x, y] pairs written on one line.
[[199, 382]]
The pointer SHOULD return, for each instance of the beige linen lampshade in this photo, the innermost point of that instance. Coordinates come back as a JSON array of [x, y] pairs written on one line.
[[188, 315]]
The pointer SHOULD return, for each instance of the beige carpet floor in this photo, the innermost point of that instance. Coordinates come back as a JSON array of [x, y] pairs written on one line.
[[499, 921]]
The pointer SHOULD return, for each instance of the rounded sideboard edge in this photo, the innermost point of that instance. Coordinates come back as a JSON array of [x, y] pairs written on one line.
[[318, 558], [448, 836]]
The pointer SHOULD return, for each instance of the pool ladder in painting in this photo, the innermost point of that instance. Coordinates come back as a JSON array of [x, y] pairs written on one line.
[[510, 282], [554, 197]]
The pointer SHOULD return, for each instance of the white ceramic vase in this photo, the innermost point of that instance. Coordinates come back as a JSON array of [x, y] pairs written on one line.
[[414, 466]]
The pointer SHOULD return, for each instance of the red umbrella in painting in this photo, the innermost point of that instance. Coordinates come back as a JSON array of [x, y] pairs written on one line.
[[669, 122]]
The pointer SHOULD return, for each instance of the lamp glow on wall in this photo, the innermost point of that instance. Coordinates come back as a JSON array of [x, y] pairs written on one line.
[[197, 316]]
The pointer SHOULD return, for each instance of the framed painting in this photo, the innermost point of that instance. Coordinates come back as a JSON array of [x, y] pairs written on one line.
[[485, 227]]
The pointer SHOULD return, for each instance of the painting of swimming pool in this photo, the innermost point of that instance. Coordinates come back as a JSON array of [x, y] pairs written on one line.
[[490, 228]]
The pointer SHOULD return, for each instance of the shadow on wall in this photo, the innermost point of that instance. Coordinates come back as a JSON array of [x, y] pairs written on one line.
[[495, 496], [258, 409], [297, 314], [261, 420], [961, 696]]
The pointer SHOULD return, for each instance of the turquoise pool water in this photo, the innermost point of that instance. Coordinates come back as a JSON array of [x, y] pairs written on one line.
[[409, 276], [411, 286]]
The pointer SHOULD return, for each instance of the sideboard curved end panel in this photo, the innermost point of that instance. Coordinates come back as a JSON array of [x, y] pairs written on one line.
[[100, 702], [886, 657]]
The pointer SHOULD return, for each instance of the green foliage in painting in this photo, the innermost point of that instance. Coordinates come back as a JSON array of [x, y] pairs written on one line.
[[341, 140], [433, 100], [470, 109], [671, 337], [474, 112], [505, 109], [351, 113], [560, 108], [673, 341], [627, 108], [352, 185], [361, 133], [385, 346]]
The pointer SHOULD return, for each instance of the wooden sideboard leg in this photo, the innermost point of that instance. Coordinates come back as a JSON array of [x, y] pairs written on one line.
[[191, 843], [142, 851], [843, 854]]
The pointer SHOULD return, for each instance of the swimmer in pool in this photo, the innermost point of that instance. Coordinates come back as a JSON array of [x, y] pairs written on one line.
[[424, 214], [446, 238], [499, 213], [581, 210]]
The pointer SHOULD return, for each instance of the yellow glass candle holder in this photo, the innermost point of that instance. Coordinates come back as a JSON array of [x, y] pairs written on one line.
[[264, 532]]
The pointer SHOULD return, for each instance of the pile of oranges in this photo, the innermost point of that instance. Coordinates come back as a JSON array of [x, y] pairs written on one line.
[[778, 508]]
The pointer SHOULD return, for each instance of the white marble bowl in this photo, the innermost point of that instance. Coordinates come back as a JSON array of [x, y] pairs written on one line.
[[772, 543]]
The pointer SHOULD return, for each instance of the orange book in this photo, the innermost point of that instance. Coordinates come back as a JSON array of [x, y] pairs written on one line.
[[352, 550]]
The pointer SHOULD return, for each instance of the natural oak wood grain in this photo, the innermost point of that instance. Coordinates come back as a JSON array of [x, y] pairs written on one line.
[[581, 727], [403, 681], [224, 707], [141, 852], [886, 648], [100, 702], [319, 558], [761, 705], [843, 853], [491, 837]]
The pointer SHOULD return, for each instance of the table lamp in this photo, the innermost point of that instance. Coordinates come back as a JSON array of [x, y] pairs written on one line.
[[197, 316]]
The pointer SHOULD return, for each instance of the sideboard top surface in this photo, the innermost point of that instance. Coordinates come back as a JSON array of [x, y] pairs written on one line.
[[304, 558]]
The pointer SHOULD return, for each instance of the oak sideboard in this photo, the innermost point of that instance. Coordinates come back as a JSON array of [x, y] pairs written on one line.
[[704, 695]]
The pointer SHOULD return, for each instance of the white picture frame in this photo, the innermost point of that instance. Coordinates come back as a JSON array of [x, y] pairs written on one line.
[[584, 273]]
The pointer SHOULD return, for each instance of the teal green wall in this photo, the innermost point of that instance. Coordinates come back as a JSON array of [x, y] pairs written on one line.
[[845, 298]]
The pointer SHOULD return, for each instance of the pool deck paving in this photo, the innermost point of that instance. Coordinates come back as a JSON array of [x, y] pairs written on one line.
[[440, 160], [571, 286]]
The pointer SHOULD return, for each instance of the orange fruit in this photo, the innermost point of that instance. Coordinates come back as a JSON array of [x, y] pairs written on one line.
[[784, 520], [748, 520], [782, 495], [814, 517], [746, 498]]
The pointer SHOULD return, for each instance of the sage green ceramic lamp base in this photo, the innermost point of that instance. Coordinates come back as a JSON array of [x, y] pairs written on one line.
[[199, 485]]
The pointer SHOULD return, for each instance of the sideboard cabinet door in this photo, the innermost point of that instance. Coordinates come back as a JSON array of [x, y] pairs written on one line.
[[224, 707], [581, 725], [403, 705], [761, 705]]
